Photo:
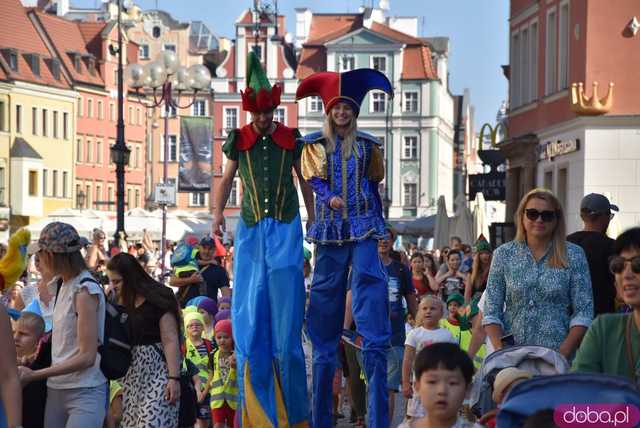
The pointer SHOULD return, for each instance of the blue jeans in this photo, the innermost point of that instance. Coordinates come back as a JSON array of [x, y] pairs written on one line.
[[325, 319]]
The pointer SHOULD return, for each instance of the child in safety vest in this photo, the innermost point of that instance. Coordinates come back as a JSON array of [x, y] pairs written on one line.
[[198, 352], [460, 328], [222, 384]]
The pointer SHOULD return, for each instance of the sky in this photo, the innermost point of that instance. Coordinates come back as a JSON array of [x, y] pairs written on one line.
[[477, 31]]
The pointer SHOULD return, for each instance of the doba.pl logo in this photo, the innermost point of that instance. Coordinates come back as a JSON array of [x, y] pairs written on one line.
[[597, 415]]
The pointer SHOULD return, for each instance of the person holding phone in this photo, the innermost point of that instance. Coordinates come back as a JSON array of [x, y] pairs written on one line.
[[539, 288]]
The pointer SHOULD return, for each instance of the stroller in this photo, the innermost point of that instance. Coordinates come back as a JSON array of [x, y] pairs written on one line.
[[537, 360], [550, 392]]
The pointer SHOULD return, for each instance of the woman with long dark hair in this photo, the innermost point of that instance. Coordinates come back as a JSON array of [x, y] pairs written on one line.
[[422, 276], [151, 387]]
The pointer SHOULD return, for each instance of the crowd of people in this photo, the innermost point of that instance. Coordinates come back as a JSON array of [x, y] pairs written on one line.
[[262, 332]]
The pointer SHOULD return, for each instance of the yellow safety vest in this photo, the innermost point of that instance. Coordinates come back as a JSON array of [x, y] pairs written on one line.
[[464, 340], [200, 361], [222, 391]]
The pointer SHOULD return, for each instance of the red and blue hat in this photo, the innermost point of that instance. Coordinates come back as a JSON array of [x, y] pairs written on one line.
[[350, 87]]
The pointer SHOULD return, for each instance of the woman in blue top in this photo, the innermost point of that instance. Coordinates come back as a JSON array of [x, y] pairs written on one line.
[[539, 289], [344, 167]]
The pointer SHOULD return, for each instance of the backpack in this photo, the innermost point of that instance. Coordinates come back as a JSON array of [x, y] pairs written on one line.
[[115, 350]]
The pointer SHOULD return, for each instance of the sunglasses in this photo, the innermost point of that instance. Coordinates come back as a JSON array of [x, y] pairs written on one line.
[[618, 263], [533, 215]]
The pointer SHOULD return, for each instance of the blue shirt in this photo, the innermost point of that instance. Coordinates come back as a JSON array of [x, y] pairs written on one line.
[[400, 285], [534, 302]]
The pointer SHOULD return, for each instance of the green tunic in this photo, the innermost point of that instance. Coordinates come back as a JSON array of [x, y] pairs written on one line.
[[603, 349], [265, 171]]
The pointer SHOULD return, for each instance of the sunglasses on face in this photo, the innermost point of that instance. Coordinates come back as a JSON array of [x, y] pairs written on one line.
[[618, 263], [533, 215]]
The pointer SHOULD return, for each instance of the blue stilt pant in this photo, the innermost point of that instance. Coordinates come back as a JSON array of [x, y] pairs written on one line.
[[325, 319]]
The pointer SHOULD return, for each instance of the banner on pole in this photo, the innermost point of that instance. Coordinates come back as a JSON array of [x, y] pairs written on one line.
[[196, 142]]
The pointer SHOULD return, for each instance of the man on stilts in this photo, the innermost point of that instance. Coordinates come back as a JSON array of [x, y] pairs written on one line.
[[268, 291]]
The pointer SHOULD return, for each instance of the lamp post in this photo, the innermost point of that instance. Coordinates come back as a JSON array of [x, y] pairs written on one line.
[[167, 80]]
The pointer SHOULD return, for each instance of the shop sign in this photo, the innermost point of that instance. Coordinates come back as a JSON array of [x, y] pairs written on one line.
[[491, 185], [552, 149]]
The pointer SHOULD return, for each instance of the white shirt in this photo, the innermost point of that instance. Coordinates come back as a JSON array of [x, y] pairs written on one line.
[[64, 338], [420, 337]]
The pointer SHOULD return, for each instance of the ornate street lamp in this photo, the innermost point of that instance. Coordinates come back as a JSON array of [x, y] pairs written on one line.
[[167, 80]]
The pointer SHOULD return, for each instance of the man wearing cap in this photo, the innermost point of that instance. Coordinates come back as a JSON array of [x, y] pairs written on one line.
[[596, 212], [268, 290]]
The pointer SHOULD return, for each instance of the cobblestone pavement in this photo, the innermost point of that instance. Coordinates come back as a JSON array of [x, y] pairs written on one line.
[[401, 406]]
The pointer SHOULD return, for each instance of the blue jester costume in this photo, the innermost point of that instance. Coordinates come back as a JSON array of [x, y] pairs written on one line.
[[268, 291], [347, 240]]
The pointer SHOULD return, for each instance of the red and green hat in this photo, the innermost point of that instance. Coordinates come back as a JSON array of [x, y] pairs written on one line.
[[259, 95]]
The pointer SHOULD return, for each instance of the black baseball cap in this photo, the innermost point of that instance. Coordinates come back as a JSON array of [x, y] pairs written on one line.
[[595, 203]]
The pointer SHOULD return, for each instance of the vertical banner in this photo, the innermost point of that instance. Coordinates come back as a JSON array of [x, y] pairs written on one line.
[[196, 147]]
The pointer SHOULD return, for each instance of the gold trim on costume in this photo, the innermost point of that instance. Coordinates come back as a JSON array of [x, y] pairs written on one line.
[[279, 216], [358, 190], [255, 190], [314, 161], [330, 175], [251, 201], [345, 194], [364, 165], [375, 172]]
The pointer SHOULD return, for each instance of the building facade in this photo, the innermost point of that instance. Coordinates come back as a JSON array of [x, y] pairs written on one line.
[[574, 150], [416, 127], [37, 122]]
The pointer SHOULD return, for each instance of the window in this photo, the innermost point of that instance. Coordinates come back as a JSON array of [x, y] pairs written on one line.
[[137, 157], [410, 194], [99, 152], [55, 124], [379, 102], [172, 149], [524, 67], [80, 110], [411, 102], [2, 192], [130, 115], [347, 63], [172, 111], [13, 61], [129, 198], [137, 201], [33, 183], [112, 112], [34, 121], [515, 70], [54, 183], [88, 196], [89, 108], [78, 190], [533, 50], [231, 118], [98, 193], [551, 55], [45, 184], [197, 199], [315, 104], [379, 63], [2, 116], [563, 52], [100, 110], [65, 126], [79, 151], [110, 193], [19, 119], [279, 115], [138, 116], [157, 32], [233, 195], [65, 184], [45, 122], [143, 53], [55, 68], [199, 108], [89, 151], [410, 149], [170, 47]]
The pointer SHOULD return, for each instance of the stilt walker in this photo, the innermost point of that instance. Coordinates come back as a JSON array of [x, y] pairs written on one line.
[[268, 291], [344, 167]]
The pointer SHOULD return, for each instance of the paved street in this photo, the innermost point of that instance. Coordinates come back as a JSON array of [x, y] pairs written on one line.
[[400, 404]]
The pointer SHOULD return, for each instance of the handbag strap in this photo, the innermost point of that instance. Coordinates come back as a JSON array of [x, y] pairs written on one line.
[[631, 361]]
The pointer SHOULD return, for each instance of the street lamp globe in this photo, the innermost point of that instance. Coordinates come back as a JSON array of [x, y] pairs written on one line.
[[135, 75], [157, 74], [201, 76], [169, 60], [182, 79]]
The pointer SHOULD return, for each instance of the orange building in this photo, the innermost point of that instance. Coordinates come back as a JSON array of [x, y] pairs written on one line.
[[83, 50], [574, 151]]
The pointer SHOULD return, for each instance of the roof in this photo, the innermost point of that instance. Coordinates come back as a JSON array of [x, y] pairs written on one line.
[[18, 33], [326, 27], [22, 149], [92, 34], [67, 38]]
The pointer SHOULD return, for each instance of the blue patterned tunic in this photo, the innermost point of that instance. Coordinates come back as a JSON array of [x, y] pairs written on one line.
[[349, 179], [536, 303]]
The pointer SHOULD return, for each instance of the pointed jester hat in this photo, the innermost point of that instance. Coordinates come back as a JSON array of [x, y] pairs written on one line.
[[258, 95], [350, 87]]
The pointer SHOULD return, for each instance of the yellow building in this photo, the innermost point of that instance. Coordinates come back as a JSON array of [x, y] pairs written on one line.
[[37, 122]]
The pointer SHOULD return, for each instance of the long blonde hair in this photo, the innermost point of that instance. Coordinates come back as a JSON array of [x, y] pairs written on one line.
[[348, 142], [558, 257]]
